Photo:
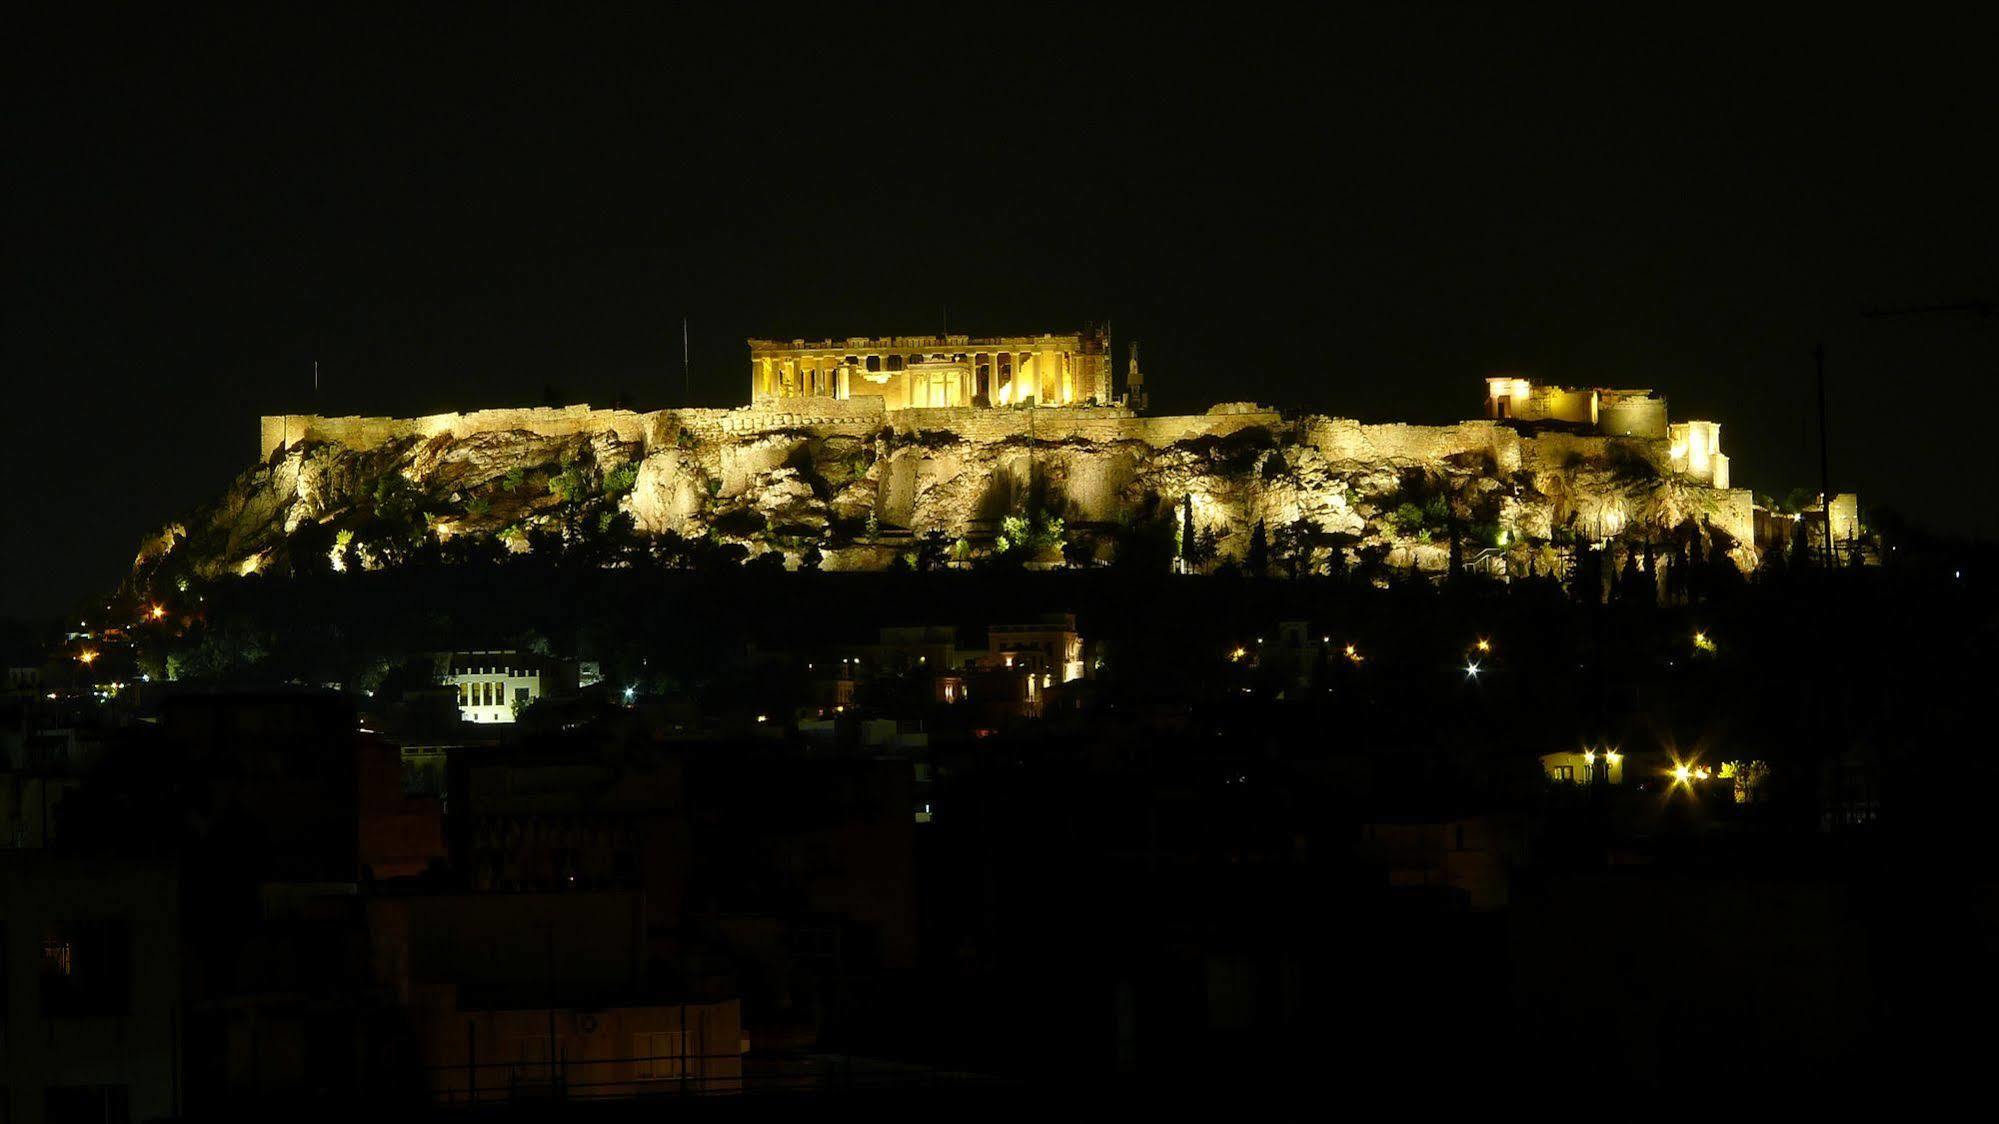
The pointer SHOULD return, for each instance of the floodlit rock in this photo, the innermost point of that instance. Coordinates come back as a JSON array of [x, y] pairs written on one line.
[[861, 486], [669, 494]]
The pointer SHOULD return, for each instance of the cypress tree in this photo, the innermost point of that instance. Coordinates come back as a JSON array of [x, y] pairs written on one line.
[[1186, 536]]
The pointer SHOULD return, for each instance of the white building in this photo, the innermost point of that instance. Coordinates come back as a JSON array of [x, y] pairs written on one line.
[[494, 686]]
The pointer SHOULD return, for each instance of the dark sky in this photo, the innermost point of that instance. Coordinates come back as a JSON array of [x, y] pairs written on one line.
[[1360, 216]]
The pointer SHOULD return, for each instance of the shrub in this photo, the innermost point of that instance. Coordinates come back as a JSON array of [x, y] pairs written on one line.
[[570, 485], [396, 499], [620, 480]]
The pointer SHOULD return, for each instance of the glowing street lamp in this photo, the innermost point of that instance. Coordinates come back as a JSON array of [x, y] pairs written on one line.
[[86, 657], [1484, 645], [1471, 671]]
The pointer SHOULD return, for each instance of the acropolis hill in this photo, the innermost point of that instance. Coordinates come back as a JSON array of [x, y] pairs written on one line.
[[854, 453]]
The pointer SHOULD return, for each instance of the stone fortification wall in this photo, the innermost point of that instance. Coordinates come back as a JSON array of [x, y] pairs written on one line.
[[368, 433], [824, 417], [1633, 417], [1345, 441], [1735, 512], [652, 430], [1076, 423]]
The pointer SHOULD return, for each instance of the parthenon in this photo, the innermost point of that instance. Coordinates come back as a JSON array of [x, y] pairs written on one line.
[[945, 370]]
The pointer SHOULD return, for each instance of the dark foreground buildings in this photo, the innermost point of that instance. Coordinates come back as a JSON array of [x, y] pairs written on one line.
[[1284, 840]]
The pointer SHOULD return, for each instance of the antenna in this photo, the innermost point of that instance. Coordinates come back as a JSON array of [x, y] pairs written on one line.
[[686, 369]]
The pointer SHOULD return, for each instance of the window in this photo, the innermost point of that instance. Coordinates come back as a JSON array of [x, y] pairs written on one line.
[[660, 1056], [1565, 772], [86, 969]]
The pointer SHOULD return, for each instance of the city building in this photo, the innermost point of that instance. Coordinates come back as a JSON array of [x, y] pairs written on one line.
[[91, 1001], [495, 686], [1050, 644]]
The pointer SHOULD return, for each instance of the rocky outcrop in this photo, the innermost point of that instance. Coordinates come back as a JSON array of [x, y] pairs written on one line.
[[1323, 488]]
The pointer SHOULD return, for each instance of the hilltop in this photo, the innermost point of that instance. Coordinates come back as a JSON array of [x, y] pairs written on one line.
[[842, 486]]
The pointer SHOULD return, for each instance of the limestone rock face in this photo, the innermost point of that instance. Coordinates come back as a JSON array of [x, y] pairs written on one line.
[[861, 490], [669, 494]]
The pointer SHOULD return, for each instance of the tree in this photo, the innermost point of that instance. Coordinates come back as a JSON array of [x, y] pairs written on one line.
[[570, 485], [1146, 545], [1336, 561], [1408, 519], [1187, 539], [1772, 567], [1634, 586], [620, 480], [931, 551], [1257, 558], [810, 559], [1586, 576], [311, 547], [1677, 575], [1293, 543]]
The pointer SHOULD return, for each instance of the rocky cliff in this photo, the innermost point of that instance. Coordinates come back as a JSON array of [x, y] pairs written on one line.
[[853, 489]]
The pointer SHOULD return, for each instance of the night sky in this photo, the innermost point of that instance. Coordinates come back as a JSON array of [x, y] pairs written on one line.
[[1362, 217]]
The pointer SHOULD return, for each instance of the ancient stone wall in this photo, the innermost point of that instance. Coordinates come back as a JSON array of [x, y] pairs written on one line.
[[1633, 417], [818, 416], [368, 433], [1345, 441]]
